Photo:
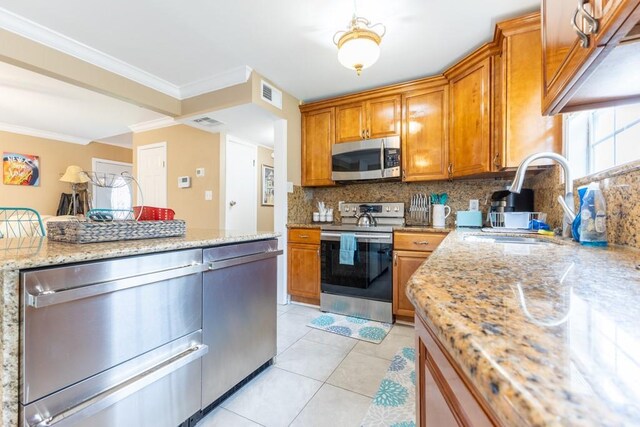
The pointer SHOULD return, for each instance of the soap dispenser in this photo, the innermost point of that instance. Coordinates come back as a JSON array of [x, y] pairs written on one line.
[[593, 217]]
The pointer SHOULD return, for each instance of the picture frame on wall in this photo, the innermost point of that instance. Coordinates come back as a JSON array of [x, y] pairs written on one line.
[[267, 185], [20, 169]]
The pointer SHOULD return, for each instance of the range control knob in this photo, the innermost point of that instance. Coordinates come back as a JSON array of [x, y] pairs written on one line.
[[396, 209]]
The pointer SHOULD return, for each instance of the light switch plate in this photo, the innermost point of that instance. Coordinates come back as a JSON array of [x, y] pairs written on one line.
[[208, 195]]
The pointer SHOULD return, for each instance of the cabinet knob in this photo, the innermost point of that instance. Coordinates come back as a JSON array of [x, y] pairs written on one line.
[[362, 134], [421, 242], [368, 135], [395, 259], [450, 170], [304, 236], [404, 174], [496, 160], [594, 25]]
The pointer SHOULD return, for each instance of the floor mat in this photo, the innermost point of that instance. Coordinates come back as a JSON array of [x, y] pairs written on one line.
[[354, 327], [394, 405]]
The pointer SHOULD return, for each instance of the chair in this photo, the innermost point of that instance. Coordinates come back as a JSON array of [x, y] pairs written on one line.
[[20, 222]]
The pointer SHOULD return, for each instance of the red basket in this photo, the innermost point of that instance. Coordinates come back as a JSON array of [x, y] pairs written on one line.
[[149, 213]]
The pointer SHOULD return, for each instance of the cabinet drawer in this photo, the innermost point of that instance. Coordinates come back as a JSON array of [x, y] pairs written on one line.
[[425, 242], [305, 235]]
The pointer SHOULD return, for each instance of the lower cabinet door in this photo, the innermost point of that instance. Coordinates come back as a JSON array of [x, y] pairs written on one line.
[[304, 270], [405, 263]]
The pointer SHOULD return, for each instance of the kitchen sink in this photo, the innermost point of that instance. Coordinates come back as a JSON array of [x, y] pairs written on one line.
[[497, 238]]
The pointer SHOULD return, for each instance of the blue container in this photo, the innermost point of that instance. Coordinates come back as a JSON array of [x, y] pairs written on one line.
[[575, 227]]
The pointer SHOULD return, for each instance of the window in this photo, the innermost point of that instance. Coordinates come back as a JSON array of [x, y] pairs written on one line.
[[601, 139]]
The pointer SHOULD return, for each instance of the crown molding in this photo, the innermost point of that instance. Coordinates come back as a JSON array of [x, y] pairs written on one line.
[[45, 36], [153, 124], [21, 130], [232, 77]]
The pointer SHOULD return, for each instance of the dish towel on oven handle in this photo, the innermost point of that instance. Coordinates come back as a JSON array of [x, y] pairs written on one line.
[[348, 247]]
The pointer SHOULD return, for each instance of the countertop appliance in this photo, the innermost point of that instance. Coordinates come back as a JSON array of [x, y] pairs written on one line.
[[112, 343], [369, 159], [506, 201], [364, 289]]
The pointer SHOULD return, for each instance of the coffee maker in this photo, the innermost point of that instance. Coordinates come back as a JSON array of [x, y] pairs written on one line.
[[506, 201]]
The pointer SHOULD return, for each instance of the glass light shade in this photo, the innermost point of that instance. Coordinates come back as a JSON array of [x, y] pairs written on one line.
[[358, 53]]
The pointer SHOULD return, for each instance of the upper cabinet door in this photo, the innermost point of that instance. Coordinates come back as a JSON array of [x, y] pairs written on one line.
[[470, 141], [350, 122], [318, 132], [524, 130], [566, 49], [383, 116], [425, 134]]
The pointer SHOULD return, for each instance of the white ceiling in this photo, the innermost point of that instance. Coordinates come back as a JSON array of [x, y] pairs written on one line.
[[33, 104], [288, 41], [248, 122]]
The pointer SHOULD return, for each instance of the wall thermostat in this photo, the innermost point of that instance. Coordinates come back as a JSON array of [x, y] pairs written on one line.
[[184, 181]]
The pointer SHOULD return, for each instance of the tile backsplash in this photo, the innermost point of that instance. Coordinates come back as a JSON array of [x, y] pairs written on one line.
[[303, 201], [620, 187]]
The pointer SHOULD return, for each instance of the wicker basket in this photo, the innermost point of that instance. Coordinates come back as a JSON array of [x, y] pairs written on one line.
[[93, 232]]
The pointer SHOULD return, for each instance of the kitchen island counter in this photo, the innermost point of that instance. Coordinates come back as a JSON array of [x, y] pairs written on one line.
[[26, 253], [547, 334]]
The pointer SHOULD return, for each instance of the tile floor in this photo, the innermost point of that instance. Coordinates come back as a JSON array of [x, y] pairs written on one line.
[[318, 378]]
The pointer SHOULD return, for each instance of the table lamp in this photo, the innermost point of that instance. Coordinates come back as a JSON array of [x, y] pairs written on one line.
[[74, 175]]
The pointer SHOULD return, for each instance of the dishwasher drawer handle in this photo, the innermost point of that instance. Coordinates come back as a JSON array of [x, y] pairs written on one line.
[[123, 390], [232, 262], [49, 298]]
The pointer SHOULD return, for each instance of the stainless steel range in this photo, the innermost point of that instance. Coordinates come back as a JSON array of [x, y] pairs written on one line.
[[362, 286]]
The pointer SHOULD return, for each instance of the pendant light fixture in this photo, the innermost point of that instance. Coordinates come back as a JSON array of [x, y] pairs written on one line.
[[359, 47]]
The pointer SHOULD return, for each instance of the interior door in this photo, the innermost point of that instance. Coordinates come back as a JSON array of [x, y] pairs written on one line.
[[241, 186], [152, 175], [121, 196]]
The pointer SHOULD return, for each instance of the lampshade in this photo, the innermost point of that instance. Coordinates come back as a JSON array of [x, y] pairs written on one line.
[[359, 48], [74, 175]]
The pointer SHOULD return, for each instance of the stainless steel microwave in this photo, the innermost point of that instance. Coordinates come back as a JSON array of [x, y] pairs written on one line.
[[370, 159]]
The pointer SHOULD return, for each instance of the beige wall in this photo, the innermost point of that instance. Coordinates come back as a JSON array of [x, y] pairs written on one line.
[[265, 213], [33, 56], [291, 112], [55, 156], [187, 149]]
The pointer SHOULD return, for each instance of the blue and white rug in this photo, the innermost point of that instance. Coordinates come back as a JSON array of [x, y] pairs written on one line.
[[394, 405], [353, 327]]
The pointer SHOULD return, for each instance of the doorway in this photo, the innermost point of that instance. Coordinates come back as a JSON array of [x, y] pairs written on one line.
[[240, 185], [152, 175], [119, 198]]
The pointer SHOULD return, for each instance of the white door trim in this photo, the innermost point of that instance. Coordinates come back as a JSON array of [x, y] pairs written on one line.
[[254, 179], [95, 160], [166, 169], [280, 205]]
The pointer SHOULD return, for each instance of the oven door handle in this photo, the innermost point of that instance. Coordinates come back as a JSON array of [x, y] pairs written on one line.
[[123, 390], [359, 236], [48, 298]]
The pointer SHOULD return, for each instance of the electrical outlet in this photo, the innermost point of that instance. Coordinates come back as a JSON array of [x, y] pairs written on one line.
[[208, 195], [289, 187], [200, 172]]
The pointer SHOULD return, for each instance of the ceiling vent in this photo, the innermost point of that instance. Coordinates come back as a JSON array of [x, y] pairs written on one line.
[[207, 122], [270, 94]]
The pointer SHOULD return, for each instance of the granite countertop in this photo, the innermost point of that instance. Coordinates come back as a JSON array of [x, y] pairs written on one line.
[[548, 334], [39, 251]]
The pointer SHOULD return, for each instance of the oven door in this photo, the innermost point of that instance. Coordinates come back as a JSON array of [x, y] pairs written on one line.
[[369, 277]]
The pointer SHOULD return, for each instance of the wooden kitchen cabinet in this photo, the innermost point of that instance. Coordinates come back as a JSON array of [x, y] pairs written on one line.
[[520, 129], [410, 250], [445, 397], [596, 70], [425, 134], [318, 135], [303, 264], [370, 118], [470, 115]]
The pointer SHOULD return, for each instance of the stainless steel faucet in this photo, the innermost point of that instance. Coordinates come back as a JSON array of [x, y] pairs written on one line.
[[567, 201]]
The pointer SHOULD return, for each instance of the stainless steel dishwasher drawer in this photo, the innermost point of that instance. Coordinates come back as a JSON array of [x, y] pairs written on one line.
[[239, 314], [81, 320], [160, 388]]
